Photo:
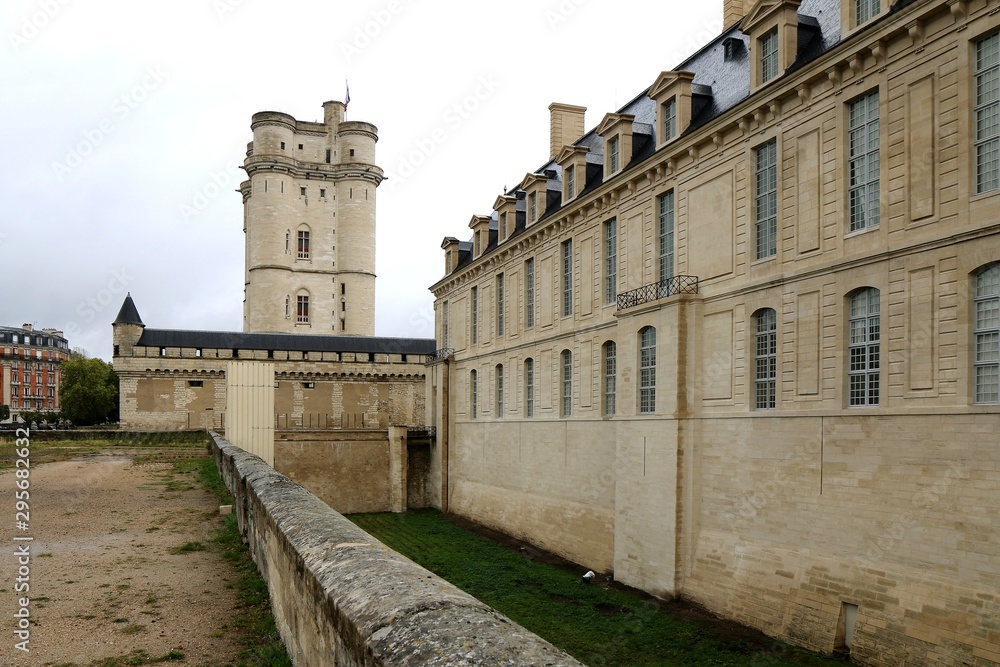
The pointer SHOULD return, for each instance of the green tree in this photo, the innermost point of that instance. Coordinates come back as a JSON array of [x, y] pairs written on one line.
[[89, 391], [4, 413]]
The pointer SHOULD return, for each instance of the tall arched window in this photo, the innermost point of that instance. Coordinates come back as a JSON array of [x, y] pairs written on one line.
[[765, 358], [610, 354], [302, 307], [566, 386], [473, 393], [864, 333], [529, 387], [304, 246], [647, 371], [986, 362], [499, 388]]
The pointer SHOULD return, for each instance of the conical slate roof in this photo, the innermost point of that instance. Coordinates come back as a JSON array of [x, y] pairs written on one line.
[[128, 314]]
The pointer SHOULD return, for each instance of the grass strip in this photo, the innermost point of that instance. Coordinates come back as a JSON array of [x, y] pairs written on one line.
[[598, 625]]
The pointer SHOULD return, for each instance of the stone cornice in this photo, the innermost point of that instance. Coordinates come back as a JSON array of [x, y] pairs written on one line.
[[312, 170]]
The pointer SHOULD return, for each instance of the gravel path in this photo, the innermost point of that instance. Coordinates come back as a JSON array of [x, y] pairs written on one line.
[[107, 576]]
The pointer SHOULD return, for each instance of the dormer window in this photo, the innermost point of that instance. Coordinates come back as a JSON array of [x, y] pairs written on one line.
[[865, 10], [613, 155], [532, 207], [773, 28], [769, 56], [669, 116], [570, 182]]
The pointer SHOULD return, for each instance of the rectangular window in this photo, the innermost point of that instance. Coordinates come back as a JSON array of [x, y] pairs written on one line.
[[666, 240], [864, 332], [445, 316], [322, 193], [570, 182], [302, 310], [610, 261], [613, 158], [864, 162], [532, 207], [988, 113], [529, 388], [475, 315], [328, 156], [503, 226], [865, 10], [500, 304], [476, 238], [302, 192], [766, 358], [566, 393], [769, 56], [567, 278], [670, 119], [196, 383], [529, 293], [610, 377], [303, 245], [766, 200]]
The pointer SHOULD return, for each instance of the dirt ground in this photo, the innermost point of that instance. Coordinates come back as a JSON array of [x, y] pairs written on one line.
[[108, 572]]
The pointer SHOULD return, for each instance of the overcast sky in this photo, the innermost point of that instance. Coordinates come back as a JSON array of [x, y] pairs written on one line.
[[123, 122]]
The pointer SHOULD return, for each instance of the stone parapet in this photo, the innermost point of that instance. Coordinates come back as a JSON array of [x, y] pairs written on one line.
[[341, 597]]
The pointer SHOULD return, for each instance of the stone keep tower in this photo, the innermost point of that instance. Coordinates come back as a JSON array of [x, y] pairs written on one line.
[[309, 221]]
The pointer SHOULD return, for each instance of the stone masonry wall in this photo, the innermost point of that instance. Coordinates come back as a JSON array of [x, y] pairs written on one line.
[[341, 597]]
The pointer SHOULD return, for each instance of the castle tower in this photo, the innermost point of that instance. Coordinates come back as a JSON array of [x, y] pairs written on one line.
[[127, 328], [309, 221]]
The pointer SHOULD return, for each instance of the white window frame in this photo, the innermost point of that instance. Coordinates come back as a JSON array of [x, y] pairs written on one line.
[[666, 236], [769, 55], [864, 162], [529, 293], [567, 277], [986, 330], [611, 261], [766, 200], [610, 358], [647, 371], [987, 113], [529, 387], [566, 386], [765, 359], [864, 334]]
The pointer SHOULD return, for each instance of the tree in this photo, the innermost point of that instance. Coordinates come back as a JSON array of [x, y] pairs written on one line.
[[89, 391], [4, 413]]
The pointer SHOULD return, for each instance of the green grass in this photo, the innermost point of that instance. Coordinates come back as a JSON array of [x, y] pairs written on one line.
[[188, 547], [146, 447], [597, 625]]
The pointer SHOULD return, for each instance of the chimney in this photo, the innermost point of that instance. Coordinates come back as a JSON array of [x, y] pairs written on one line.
[[733, 11], [27, 326], [566, 126]]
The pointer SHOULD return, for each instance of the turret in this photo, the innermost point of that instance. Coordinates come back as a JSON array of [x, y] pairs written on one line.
[[127, 328]]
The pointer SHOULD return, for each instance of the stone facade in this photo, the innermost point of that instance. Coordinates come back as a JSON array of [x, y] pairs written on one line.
[[173, 380], [309, 220], [738, 343], [30, 373]]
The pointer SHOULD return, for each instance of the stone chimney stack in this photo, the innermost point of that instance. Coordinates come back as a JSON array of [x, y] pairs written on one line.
[[566, 126], [733, 11]]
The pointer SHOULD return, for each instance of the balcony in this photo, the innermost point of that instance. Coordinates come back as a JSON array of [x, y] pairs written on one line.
[[657, 291]]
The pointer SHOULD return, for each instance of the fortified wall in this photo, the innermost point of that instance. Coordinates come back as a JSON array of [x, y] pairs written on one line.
[[340, 597]]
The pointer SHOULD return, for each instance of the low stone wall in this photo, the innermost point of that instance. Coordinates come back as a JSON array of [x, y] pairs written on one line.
[[340, 597]]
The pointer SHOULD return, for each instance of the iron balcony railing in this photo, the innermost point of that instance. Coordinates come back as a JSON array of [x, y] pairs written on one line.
[[443, 353], [656, 291]]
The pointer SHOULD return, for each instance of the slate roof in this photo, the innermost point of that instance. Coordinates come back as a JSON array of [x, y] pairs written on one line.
[[280, 341], [128, 313]]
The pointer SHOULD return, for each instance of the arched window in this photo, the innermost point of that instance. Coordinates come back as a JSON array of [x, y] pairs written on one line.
[[473, 394], [304, 251], [986, 362], [566, 386], [302, 307], [864, 333], [610, 353], [499, 388], [529, 387], [647, 371], [765, 358]]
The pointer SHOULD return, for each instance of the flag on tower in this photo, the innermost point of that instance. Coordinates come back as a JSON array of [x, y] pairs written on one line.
[[347, 95]]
